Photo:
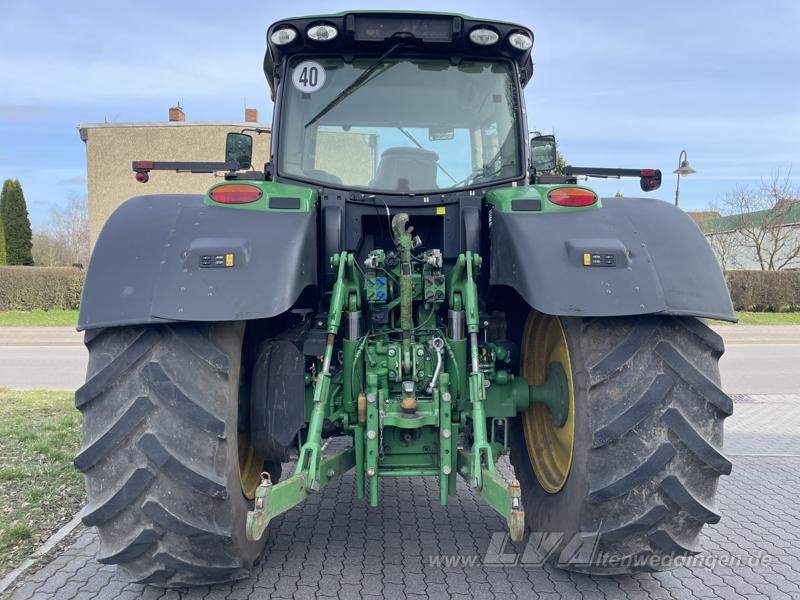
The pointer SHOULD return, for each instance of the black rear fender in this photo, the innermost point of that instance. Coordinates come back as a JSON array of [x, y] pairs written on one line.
[[172, 258], [644, 256]]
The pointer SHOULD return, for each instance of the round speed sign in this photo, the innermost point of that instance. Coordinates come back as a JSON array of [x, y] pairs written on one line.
[[308, 76]]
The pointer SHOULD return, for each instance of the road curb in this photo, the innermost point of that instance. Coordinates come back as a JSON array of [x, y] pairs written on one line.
[[41, 551]]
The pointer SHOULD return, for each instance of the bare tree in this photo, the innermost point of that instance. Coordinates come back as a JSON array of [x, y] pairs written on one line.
[[760, 219], [726, 247], [725, 243], [45, 252], [66, 241]]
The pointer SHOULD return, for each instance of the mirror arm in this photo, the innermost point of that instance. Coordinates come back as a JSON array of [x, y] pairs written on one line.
[[143, 166], [257, 130]]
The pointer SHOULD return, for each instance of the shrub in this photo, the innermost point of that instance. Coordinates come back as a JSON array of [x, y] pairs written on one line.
[[29, 288], [764, 291]]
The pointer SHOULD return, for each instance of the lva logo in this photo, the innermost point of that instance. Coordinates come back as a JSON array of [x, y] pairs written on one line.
[[541, 546]]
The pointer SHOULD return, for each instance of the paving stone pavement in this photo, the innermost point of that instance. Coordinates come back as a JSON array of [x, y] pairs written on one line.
[[335, 546]]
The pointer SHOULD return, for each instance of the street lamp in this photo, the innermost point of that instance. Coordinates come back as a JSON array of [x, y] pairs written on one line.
[[684, 168]]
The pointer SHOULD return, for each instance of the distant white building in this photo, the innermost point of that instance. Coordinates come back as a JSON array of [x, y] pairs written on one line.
[[761, 240]]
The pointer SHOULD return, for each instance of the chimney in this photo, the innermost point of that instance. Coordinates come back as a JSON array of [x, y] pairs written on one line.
[[251, 115], [176, 113]]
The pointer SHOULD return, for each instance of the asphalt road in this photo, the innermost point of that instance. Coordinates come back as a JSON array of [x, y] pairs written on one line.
[[758, 359]]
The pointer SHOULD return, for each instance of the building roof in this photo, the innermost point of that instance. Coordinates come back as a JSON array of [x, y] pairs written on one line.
[[84, 128], [242, 124], [702, 215], [731, 222]]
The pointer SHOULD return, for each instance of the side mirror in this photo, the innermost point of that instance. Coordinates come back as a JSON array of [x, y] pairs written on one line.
[[239, 149], [543, 153]]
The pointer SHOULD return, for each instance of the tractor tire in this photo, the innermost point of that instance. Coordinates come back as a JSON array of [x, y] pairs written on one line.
[[646, 455], [163, 457]]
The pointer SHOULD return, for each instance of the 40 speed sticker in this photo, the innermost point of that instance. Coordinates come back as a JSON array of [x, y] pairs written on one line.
[[308, 76]]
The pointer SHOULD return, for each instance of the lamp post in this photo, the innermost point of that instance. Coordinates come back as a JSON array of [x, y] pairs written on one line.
[[684, 168]]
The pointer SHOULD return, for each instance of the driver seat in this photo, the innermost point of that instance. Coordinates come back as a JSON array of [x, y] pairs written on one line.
[[404, 169]]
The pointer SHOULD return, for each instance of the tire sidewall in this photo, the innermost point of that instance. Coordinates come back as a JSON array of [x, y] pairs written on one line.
[[229, 338], [561, 512]]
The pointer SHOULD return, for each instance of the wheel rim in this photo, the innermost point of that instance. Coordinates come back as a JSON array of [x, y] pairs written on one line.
[[549, 446], [250, 467]]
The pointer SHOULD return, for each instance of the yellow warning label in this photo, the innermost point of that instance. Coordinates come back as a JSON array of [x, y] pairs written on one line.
[[229, 259], [587, 259], [440, 210]]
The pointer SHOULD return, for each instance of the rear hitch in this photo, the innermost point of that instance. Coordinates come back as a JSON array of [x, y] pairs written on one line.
[[272, 500], [505, 497]]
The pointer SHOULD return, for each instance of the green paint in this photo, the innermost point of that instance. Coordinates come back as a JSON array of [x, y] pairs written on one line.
[[269, 189], [553, 393], [507, 399], [310, 452], [504, 497], [403, 351], [501, 199], [273, 500]]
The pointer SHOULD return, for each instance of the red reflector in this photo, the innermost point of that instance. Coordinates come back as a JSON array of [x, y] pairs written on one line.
[[235, 193], [572, 197], [143, 164]]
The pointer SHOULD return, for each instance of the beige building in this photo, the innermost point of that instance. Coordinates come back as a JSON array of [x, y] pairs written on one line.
[[112, 147]]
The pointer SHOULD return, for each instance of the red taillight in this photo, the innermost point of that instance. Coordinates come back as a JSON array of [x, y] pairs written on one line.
[[235, 193], [569, 196]]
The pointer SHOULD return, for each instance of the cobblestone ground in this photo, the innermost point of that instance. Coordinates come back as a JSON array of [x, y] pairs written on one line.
[[335, 546]]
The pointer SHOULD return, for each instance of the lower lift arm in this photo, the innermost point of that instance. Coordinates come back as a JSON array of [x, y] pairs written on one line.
[[477, 465], [312, 472]]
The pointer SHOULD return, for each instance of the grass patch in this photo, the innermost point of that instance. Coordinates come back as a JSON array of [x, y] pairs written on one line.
[[764, 318], [39, 318], [39, 489]]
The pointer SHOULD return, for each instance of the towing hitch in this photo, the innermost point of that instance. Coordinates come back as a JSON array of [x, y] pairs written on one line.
[[405, 401]]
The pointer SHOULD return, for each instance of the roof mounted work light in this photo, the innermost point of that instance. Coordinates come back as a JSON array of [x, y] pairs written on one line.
[[283, 36], [483, 36], [520, 41], [322, 32]]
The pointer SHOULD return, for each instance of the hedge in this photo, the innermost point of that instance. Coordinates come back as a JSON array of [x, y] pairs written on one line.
[[764, 291], [29, 288]]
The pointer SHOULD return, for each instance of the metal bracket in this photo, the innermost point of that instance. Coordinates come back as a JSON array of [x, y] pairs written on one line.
[[504, 497], [493, 435], [273, 500]]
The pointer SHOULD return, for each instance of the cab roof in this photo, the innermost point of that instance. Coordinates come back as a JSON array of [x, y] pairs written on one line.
[[371, 33]]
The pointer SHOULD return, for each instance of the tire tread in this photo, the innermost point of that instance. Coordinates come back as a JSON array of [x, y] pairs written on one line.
[[167, 519], [652, 458]]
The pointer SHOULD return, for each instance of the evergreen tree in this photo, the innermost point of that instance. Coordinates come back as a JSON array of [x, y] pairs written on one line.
[[2, 243], [16, 224]]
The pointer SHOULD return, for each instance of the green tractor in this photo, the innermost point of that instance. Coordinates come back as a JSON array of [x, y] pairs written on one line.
[[411, 273]]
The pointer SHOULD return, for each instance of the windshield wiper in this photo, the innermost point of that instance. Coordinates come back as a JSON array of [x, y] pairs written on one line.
[[357, 83], [484, 172], [413, 139]]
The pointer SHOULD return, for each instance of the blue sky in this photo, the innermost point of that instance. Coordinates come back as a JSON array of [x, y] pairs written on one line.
[[626, 83]]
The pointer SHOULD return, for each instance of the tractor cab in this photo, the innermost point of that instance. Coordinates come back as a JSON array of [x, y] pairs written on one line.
[[398, 104]]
